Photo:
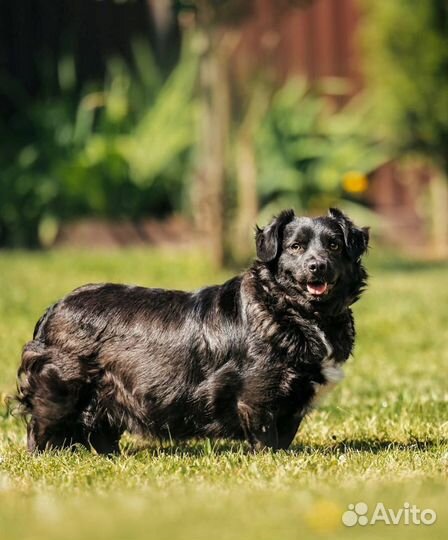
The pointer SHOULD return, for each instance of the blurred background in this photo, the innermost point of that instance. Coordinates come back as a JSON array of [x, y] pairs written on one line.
[[167, 122]]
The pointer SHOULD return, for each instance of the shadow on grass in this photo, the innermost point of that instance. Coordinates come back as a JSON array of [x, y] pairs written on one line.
[[373, 446], [216, 448], [201, 448]]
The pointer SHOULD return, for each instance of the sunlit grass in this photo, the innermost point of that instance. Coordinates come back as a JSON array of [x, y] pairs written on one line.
[[380, 436]]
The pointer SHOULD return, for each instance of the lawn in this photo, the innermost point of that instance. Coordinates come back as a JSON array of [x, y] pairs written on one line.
[[381, 436]]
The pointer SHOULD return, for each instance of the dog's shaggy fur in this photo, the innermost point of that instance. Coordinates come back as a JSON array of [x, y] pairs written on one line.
[[245, 359]]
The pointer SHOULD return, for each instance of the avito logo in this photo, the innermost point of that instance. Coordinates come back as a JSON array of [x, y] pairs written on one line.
[[358, 514]]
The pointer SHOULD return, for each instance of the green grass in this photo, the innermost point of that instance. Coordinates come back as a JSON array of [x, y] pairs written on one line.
[[381, 436]]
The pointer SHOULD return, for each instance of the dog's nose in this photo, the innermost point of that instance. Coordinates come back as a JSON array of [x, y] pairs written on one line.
[[317, 265]]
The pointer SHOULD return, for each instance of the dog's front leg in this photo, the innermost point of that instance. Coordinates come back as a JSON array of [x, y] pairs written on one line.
[[259, 427], [287, 427]]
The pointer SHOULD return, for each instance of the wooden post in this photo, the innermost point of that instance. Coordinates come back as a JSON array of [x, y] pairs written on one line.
[[438, 188]]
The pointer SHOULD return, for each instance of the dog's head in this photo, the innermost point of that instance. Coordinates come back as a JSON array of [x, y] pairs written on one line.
[[319, 258]]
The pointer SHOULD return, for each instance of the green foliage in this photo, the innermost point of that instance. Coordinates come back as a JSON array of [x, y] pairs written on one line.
[[406, 60], [116, 151], [305, 148], [380, 436]]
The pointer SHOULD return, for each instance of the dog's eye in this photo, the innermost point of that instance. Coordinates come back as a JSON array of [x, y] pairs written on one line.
[[334, 246], [296, 247]]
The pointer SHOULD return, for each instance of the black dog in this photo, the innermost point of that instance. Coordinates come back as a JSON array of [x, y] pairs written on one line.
[[245, 359]]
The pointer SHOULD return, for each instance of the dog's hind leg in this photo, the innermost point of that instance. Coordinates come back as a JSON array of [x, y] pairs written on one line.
[[31, 436], [50, 396], [43, 435]]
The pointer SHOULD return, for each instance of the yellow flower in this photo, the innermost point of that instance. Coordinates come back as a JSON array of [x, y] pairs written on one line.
[[355, 182], [324, 516]]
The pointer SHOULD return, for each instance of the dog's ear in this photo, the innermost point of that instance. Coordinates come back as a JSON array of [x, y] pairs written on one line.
[[269, 238], [356, 238]]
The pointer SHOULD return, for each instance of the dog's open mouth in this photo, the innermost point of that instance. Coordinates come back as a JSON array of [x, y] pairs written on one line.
[[317, 288]]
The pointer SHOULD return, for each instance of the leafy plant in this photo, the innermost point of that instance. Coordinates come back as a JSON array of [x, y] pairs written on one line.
[[406, 52], [116, 151], [406, 49], [306, 149]]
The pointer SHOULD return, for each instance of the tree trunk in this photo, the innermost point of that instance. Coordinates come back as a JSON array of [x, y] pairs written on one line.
[[209, 192], [246, 175]]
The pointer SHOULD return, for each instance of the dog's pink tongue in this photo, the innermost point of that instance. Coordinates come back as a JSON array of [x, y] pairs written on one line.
[[317, 288]]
